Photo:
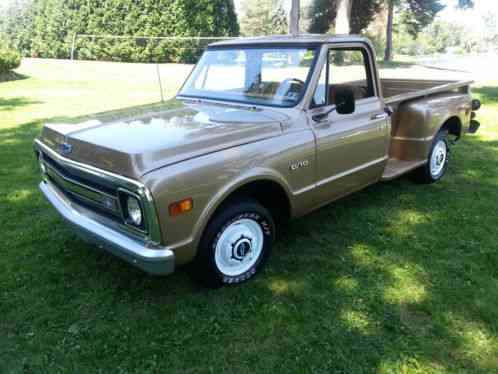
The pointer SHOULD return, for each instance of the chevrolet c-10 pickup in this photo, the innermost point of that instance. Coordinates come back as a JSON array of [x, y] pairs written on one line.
[[268, 129]]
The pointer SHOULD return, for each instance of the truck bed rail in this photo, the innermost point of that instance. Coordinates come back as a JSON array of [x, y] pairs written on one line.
[[419, 88]]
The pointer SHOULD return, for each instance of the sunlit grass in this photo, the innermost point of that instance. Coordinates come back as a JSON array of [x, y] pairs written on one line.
[[19, 195], [478, 343], [405, 287], [68, 89], [359, 321]]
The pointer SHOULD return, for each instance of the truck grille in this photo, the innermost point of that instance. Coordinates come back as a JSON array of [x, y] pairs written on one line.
[[83, 189]]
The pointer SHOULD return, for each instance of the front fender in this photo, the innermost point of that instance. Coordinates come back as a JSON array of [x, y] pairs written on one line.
[[210, 179], [183, 233], [254, 175]]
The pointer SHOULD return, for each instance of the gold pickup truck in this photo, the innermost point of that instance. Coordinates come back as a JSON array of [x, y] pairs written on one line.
[[269, 129]]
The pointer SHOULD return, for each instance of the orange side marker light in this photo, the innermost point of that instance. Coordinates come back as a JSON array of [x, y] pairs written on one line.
[[182, 206]]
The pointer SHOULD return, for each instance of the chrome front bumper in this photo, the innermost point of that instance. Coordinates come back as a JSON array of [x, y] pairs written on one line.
[[152, 259]]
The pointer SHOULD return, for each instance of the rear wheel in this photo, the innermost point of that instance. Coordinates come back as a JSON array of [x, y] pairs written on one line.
[[437, 161], [235, 244]]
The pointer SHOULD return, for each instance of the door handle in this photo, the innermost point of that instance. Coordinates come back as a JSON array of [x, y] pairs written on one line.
[[379, 116]]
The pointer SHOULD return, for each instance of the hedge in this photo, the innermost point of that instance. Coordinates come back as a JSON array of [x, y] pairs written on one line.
[[9, 60], [51, 24]]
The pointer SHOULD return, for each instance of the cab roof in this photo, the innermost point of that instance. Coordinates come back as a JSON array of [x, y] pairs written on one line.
[[290, 39]]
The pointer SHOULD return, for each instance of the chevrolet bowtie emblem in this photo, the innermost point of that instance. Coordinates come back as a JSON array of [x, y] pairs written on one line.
[[65, 148]]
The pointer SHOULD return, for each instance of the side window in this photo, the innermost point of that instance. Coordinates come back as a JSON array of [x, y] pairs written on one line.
[[347, 68]]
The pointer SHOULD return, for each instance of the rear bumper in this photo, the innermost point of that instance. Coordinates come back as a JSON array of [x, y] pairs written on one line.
[[152, 259], [474, 126]]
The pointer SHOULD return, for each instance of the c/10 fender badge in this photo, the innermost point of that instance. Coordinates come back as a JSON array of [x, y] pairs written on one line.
[[299, 164]]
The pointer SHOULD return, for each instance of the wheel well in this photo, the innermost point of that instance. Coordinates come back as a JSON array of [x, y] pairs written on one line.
[[453, 126], [269, 194]]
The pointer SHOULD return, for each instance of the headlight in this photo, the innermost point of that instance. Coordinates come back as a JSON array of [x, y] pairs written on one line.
[[134, 211]]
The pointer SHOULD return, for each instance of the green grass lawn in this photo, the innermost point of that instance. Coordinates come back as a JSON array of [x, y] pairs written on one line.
[[57, 88], [398, 278]]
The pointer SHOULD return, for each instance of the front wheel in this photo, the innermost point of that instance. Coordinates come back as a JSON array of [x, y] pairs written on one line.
[[437, 162], [235, 244]]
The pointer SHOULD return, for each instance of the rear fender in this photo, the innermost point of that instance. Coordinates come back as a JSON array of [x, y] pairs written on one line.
[[416, 122]]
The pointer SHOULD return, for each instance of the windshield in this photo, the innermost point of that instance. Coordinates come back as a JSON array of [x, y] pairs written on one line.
[[267, 76]]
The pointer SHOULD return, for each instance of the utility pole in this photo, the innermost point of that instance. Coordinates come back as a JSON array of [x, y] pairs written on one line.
[[294, 18]]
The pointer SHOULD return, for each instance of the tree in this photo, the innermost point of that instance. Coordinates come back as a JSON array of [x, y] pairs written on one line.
[[278, 21], [52, 24], [354, 16], [343, 16], [418, 14], [262, 17], [256, 17], [16, 24], [388, 55], [322, 14], [363, 13]]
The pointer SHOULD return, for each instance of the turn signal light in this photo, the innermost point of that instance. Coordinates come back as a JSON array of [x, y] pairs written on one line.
[[180, 207]]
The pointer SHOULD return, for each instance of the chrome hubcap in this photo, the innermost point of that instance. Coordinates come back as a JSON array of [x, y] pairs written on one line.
[[239, 247], [438, 158]]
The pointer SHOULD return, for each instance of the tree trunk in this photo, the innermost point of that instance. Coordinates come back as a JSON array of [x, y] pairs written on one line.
[[343, 17], [294, 18], [388, 55]]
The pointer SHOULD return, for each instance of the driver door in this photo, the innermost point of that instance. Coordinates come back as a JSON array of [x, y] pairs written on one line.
[[351, 148]]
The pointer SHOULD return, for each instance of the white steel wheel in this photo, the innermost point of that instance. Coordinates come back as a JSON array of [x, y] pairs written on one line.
[[239, 247], [438, 158], [235, 244]]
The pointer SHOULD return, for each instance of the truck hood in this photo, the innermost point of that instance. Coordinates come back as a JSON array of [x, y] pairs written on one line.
[[135, 146]]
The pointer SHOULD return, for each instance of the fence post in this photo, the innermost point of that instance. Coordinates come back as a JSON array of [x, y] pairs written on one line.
[[160, 84], [72, 46]]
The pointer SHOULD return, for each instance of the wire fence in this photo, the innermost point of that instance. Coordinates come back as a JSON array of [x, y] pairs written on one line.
[[197, 43]]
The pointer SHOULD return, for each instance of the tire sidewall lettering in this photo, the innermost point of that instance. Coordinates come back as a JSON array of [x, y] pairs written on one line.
[[267, 234]]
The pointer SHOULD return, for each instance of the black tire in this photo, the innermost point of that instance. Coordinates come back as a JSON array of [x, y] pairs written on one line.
[[425, 174], [204, 267]]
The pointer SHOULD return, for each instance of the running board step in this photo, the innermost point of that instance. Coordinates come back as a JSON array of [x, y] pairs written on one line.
[[395, 168]]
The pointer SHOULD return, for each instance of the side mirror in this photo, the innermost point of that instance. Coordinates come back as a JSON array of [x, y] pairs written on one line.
[[344, 104], [345, 101]]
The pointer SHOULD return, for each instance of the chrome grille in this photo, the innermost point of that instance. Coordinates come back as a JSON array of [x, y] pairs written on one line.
[[86, 192], [100, 191]]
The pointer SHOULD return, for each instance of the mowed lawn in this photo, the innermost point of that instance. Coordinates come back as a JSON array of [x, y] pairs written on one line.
[[398, 278], [65, 88]]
